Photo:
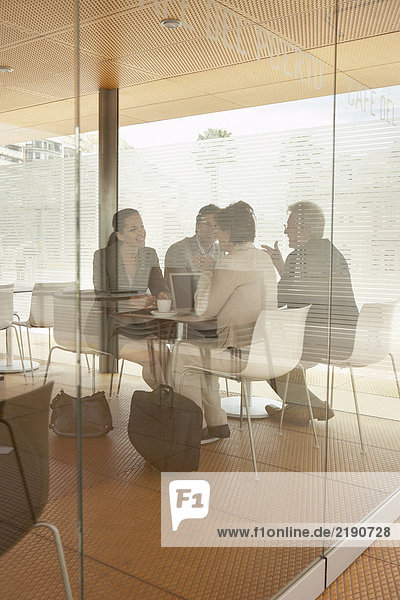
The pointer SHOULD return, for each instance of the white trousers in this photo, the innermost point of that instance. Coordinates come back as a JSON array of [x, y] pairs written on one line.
[[202, 388]]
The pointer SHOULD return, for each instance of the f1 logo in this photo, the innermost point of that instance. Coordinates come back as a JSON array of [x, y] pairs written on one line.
[[189, 499]]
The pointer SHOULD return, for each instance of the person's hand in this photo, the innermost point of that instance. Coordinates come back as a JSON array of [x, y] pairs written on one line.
[[162, 296], [203, 263], [141, 301], [275, 255]]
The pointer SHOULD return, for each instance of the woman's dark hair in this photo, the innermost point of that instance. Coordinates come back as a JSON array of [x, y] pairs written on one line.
[[118, 223], [239, 220]]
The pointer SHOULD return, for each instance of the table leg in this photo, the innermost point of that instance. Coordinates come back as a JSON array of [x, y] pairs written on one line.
[[9, 365], [231, 405]]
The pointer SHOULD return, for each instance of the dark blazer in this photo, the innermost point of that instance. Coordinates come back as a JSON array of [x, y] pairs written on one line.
[[109, 273], [110, 276], [308, 273]]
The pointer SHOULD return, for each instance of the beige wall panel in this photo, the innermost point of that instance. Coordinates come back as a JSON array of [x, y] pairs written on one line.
[[375, 77], [9, 35], [97, 73], [252, 74], [125, 120], [180, 108], [309, 29], [150, 93], [284, 91], [54, 86], [191, 57], [363, 53], [93, 9], [90, 101], [355, 20], [137, 31], [40, 16], [36, 59], [12, 99], [262, 10], [35, 115], [123, 45], [67, 126]]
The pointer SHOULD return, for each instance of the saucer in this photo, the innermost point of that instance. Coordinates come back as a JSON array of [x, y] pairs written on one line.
[[157, 313]]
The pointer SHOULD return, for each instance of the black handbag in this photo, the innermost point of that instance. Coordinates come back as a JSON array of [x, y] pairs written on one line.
[[96, 415], [165, 428]]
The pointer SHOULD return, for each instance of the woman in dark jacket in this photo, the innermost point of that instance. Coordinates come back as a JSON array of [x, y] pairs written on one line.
[[126, 265]]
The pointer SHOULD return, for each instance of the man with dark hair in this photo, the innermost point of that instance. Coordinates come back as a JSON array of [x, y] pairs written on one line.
[[188, 254], [315, 273]]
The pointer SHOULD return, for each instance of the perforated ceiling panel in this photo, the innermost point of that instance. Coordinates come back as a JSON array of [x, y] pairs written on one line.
[[251, 49]]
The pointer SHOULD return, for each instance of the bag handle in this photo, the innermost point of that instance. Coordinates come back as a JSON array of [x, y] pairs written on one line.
[[158, 373], [166, 392]]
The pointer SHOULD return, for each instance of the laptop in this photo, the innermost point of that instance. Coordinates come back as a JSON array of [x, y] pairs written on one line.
[[183, 287]]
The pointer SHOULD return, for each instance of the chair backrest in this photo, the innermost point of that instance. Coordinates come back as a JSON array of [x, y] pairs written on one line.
[[42, 303], [277, 343], [6, 305], [373, 333], [66, 319], [27, 416]]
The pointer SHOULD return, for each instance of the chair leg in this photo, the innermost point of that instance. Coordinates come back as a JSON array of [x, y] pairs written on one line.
[[241, 412], [87, 363], [93, 373], [284, 403], [181, 379], [112, 379], [60, 554], [310, 407], [19, 349], [120, 376], [243, 393], [52, 527], [22, 340], [357, 409], [48, 364], [30, 350], [332, 384], [227, 388], [395, 373]]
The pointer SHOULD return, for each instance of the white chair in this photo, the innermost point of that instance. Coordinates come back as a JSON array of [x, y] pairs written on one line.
[[275, 350], [371, 345], [7, 314], [41, 312], [24, 472], [66, 327]]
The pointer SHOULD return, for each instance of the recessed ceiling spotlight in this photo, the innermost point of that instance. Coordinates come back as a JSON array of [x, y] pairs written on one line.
[[6, 69], [171, 23]]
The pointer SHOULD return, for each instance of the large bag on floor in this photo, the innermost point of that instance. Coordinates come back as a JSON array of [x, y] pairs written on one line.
[[96, 415], [165, 428]]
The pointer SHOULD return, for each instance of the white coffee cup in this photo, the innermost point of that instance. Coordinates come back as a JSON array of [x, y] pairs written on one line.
[[164, 305]]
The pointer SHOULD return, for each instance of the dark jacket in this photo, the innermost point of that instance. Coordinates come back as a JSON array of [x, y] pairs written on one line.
[[110, 276], [306, 280]]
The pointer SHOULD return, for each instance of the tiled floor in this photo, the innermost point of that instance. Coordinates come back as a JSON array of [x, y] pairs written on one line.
[[121, 513]]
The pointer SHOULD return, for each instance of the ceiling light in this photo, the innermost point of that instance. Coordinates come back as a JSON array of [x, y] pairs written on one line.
[[6, 69], [171, 23]]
